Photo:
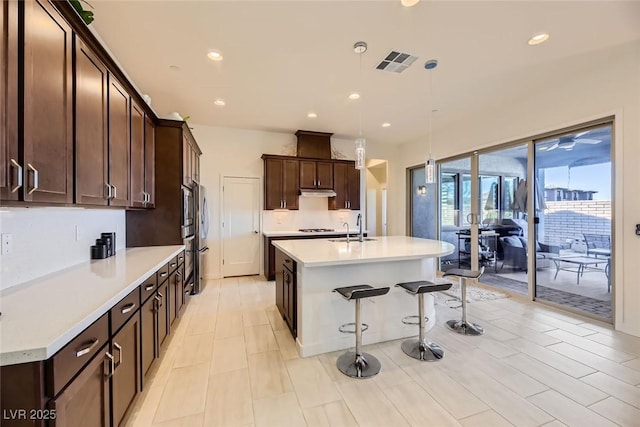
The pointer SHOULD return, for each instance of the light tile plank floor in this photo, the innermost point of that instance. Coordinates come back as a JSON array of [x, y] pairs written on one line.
[[232, 362]]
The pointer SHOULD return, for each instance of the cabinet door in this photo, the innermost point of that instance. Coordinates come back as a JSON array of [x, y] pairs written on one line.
[[119, 143], [307, 174], [163, 314], [86, 401], [292, 305], [196, 166], [48, 105], [339, 186], [179, 284], [186, 162], [324, 175], [353, 184], [126, 376], [148, 338], [290, 183], [92, 149], [273, 171], [172, 301], [10, 169], [138, 198], [150, 161]]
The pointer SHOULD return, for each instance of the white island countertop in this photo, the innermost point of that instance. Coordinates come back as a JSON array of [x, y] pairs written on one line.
[[310, 233], [324, 252], [41, 316]]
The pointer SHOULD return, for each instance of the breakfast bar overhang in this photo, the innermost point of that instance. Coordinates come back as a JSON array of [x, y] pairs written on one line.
[[326, 264]]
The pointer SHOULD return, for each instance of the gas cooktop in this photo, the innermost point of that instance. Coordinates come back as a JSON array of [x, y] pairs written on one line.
[[315, 230]]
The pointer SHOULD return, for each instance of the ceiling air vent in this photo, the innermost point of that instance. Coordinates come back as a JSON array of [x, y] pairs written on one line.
[[396, 62]]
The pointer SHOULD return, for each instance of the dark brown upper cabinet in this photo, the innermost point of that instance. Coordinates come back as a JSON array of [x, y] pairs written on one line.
[[11, 170], [347, 186], [48, 105], [281, 183], [317, 175], [92, 145], [150, 162], [138, 193], [119, 144]]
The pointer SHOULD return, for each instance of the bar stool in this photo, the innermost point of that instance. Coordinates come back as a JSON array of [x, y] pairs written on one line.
[[358, 364], [420, 348], [462, 326]]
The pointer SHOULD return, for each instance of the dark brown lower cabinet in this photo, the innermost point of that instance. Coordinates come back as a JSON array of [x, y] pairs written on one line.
[[149, 333], [286, 294], [174, 294], [126, 375], [86, 401]]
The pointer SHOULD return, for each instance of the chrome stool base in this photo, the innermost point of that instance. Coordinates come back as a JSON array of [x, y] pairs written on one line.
[[465, 328], [358, 365], [422, 350]]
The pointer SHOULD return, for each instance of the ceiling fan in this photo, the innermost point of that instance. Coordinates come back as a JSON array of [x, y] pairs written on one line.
[[569, 142]]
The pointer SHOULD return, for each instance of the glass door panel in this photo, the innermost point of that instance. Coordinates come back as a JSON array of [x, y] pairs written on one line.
[[573, 231]]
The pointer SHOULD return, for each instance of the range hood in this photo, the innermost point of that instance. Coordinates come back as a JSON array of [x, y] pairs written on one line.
[[317, 193]]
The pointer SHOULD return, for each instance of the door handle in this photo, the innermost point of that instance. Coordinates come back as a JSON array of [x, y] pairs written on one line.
[[127, 308], [470, 218], [111, 367], [16, 165], [255, 231], [285, 203], [119, 348], [149, 287], [109, 192], [115, 192], [36, 178], [87, 348]]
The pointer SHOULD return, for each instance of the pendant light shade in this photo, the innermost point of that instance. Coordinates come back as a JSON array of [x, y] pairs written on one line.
[[430, 170], [360, 148]]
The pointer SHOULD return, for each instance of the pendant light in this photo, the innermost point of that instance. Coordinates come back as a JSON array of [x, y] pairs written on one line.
[[361, 142], [430, 162]]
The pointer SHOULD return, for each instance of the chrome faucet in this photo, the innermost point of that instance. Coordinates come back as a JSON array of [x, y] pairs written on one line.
[[360, 233], [346, 224]]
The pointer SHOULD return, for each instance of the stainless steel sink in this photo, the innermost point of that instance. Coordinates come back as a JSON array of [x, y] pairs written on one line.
[[351, 239]]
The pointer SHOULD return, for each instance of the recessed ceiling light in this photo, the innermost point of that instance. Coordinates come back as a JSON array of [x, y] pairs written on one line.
[[214, 55], [538, 38], [386, 124], [354, 95], [312, 115], [220, 102], [409, 3]]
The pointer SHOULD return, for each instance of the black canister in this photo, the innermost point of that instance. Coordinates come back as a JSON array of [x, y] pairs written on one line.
[[105, 243], [99, 251], [112, 236]]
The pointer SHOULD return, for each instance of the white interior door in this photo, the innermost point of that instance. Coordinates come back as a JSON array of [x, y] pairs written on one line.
[[240, 226]]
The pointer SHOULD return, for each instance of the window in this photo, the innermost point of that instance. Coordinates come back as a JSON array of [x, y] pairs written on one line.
[[449, 209]]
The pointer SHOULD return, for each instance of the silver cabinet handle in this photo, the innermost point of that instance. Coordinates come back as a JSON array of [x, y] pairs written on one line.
[[109, 192], [16, 165], [119, 348], [111, 367], [180, 258], [349, 204], [87, 348], [36, 178], [127, 308], [319, 183], [285, 204], [149, 287], [115, 192], [282, 204], [178, 274], [163, 274], [173, 264]]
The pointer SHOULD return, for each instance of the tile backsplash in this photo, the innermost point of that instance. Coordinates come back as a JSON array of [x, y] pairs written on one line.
[[45, 240], [313, 213]]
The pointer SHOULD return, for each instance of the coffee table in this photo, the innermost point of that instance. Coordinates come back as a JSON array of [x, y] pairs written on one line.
[[579, 265]]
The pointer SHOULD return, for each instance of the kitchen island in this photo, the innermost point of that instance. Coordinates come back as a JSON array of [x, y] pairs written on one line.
[[322, 265]]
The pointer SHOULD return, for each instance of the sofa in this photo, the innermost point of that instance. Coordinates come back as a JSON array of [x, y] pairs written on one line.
[[515, 253]]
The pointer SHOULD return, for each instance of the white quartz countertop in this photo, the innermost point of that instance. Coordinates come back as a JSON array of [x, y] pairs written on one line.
[[41, 316], [310, 233], [323, 252]]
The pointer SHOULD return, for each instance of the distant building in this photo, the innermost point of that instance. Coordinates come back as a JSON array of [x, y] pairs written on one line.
[[558, 194]]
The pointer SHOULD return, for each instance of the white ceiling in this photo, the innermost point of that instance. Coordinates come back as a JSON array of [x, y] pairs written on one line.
[[284, 59]]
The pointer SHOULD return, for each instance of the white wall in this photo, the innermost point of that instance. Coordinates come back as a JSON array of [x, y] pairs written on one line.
[[44, 239], [237, 152], [550, 97]]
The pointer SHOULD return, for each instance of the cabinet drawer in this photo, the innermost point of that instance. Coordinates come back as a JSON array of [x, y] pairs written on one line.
[[148, 288], [181, 258], [173, 264], [126, 308], [66, 363], [163, 273]]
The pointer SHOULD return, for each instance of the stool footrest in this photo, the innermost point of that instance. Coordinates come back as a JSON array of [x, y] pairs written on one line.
[[343, 328], [407, 320]]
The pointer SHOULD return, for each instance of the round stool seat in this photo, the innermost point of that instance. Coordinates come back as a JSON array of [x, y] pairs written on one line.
[[461, 272], [424, 286], [361, 291]]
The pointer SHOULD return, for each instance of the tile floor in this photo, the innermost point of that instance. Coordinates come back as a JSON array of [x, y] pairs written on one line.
[[232, 362]]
